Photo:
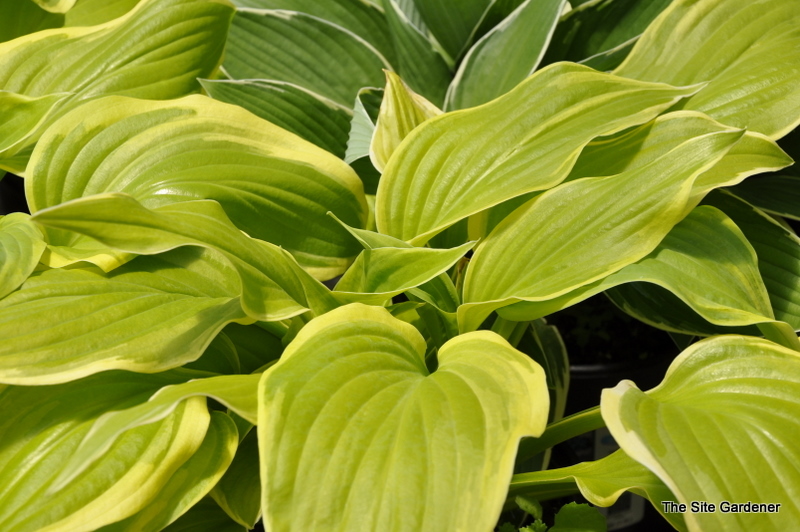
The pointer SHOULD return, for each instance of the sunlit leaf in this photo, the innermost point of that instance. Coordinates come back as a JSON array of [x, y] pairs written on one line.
[[272, 184], [518, 43], [746, 50], [56, 6], [355, 433], [301, 49], [544, 250], [461, 163], [21, 246], [48, 422], [93, 12], [720, 427]]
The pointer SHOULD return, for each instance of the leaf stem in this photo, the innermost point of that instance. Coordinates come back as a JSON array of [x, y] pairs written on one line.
[[560, 431]]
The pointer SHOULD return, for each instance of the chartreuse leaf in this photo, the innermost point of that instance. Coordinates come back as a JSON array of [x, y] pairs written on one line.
[[272, 184], [574, 517], [153, 314], [358, 16], [21, 246], [355, 433], [401, 111], [518, 43], [458, 164], [775, 194], [239, 490], [194, 479], [204, 516], [169, 44], [720, 427], [753, 154], [746, 50], [378, 274], [601, 25], [543, 251], [48, 422], [22, 18], [310, 116], [298, 48], [24, 115], [778, 251], [273, 286], [237, 392], [56, 6], [707, 262], [420, 64], [93, 12]]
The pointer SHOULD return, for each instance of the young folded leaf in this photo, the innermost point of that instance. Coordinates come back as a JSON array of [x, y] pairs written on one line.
[[563, 240], [461, 163], [272, 184], [745, 49], [720, 428], [356, 434]]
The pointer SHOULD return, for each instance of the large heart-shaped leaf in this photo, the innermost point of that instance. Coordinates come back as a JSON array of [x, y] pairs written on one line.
[[562, 240], [518, 43], [747, 50], [461, 163], [272, 184], [720, 428], [298, 48], [48, 422], [273, 287], [153, 314], [168, 44], [361, 17], [21, 246], [356, 434]]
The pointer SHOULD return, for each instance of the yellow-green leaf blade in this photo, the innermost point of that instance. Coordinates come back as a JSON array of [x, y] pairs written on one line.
[[21, 246]]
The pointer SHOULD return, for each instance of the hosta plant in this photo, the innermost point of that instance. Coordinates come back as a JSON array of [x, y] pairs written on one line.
[[209, 320]]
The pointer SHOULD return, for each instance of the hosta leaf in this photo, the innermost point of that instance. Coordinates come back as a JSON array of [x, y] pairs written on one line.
[[601, 482], [312, 117], [219, 358], [518, 43], [365, 115], [93, 12], [254, 346], [461, 163], [358, 16], [610, 59], [600, 25], [425, 70], [543, 343], [22, 115], [239, 490], [272, 184], [775, 194], [452, 27], [153, 314], [300, 49], [48, 422], [543, 250], [21, 246], [194, 479], [720, 427], [707, 262], [204, 516], [778, 253], [272, 284], [169, 44], [355, 433], [56, 6], [747, 50], [24, 17], [237, 392], [401, 111], [378, 274]]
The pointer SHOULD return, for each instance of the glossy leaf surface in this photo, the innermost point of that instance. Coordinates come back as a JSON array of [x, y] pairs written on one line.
[[461, 163], [355, 433], [272, 184], [742, 392], [746, 50]]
